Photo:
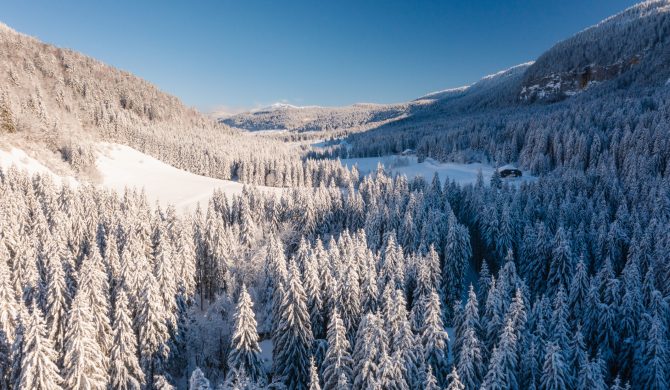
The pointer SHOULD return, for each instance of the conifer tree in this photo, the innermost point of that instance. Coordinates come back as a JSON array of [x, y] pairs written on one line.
[[313, 376], [430, 382], [369, 340], [561, 262], [435, 339], [469, 360], [8, 306], [591, 376], [94, 286], [503, 369], [555, 373], [313, 291], [390, 375], [83, 364], [153, 330], [38, 363], [338, 359], [244, 355], [457, 255], [454, 381], [652, 356], [125, 372], [198, 381], [57, 302], [294, 335]]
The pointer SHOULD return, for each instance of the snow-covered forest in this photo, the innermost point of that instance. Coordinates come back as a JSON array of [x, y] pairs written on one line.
[[339, 278]]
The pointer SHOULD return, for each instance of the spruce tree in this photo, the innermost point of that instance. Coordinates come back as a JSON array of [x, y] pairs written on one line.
[[153, 330], [313, 376], [58, 296], [294, 335], [338, 359], [454, 381], [555, 372], [125, 372], [83, 364], [435, 339], [369, 341], [38, 363], [245, 352], [561, 262], [652, 356], [503, 369], [198, 381], [469, 359]]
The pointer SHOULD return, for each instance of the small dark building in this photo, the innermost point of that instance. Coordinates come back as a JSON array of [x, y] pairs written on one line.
[[510, 172]]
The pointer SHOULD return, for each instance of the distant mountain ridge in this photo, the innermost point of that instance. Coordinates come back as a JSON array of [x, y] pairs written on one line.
[[631, 47]]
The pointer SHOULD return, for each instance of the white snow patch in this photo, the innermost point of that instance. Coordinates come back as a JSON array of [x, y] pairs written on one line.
[[121, 166], [443, 93], [19, 159], [410, 167]]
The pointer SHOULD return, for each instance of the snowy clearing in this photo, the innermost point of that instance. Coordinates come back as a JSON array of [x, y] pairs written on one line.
[[19, 159], [410, 167], [121, 166]]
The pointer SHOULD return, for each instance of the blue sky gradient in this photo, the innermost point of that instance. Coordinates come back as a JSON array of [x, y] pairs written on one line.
[[246, 54]]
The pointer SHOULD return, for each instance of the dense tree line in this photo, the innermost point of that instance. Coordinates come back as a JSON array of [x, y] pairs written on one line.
[[355, 289]]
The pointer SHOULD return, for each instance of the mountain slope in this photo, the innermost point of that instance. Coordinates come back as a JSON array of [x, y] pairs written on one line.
[[62, 101], [313, 118]]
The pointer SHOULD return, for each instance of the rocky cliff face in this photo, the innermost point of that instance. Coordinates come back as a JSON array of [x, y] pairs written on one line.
[[558, 86]]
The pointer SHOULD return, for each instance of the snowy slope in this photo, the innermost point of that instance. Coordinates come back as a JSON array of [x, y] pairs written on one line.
[[19, 159], [410, 167], [122, 166]]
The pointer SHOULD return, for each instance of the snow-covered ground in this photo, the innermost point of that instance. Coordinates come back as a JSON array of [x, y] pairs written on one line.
[[409, 166], [121, 166], [19, 159]]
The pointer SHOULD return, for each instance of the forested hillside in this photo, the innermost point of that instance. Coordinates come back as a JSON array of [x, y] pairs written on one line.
[[343, 280]]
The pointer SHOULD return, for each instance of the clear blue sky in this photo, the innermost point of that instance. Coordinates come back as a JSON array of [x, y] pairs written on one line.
[[244, 54]]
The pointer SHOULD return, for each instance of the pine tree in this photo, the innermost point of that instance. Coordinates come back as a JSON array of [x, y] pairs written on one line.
[[503, 369], [83, 364], [454, 381], [561, 262], [198, 381], [393, 267], [555, 373], [8, 306], [579, 287], [435, 339], [94, 286], [390, 375], [125, 371], [313, 291], [38, 363], [294, 335], [245, 352], [591, 376], [153, 330], [652, 356], [429, 380], [338, 359], [457, 255], [313, 376], [469, 356], [57, 302], [559, 320], [369, 341]]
